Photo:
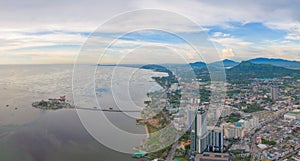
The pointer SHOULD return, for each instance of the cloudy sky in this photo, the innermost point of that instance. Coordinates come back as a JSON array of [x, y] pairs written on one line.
[[42, 31]]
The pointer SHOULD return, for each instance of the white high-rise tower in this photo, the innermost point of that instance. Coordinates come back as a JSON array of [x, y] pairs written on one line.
[[201, 129]]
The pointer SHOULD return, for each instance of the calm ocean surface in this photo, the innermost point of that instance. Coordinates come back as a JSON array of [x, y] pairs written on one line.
[[29, 134]]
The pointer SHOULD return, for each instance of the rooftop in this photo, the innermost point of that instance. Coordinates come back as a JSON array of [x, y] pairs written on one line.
[[213, 156]]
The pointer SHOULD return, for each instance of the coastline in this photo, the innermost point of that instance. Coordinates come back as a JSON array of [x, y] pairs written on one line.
[[147, 131]]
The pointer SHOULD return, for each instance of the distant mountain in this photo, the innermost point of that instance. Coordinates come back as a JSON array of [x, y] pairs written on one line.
[[157, 68], [198, 64], [246, 70], [277, 62], [226, 63]]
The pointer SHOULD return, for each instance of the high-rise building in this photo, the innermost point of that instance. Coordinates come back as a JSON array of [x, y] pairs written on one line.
[[191, 114], [191, 125], [201, 122], [199, 142], [193, 141], [202, 133], [215, 139], [202, 139], [274, 92]]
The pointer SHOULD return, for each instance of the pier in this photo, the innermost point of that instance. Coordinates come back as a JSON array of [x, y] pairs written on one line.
[[106, 110], [61, 103]]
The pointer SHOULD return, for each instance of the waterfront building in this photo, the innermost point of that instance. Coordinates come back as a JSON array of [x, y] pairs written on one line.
[[139, 154]]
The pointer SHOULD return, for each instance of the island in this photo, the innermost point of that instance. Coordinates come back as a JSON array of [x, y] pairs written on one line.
[[53, 104]]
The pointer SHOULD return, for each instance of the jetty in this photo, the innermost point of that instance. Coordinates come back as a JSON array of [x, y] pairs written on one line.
[[61, 103], [106, 110]]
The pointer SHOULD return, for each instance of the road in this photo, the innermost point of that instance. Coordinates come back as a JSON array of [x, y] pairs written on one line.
[[172, 152], [254, 149], [289, 155]]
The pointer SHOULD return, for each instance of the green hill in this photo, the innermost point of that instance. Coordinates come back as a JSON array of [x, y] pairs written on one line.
[[247, 70]]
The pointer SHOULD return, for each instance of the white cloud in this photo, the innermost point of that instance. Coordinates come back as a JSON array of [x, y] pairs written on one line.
[[293, 36], [231, 42], [64, 18], [294, 33], [227, 53], [17, 40], [88, 15], [220, 34], [217, 34]]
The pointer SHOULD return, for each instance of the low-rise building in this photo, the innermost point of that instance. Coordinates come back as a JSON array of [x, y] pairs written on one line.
[[234, 131], [208, 156], [292, 116]]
